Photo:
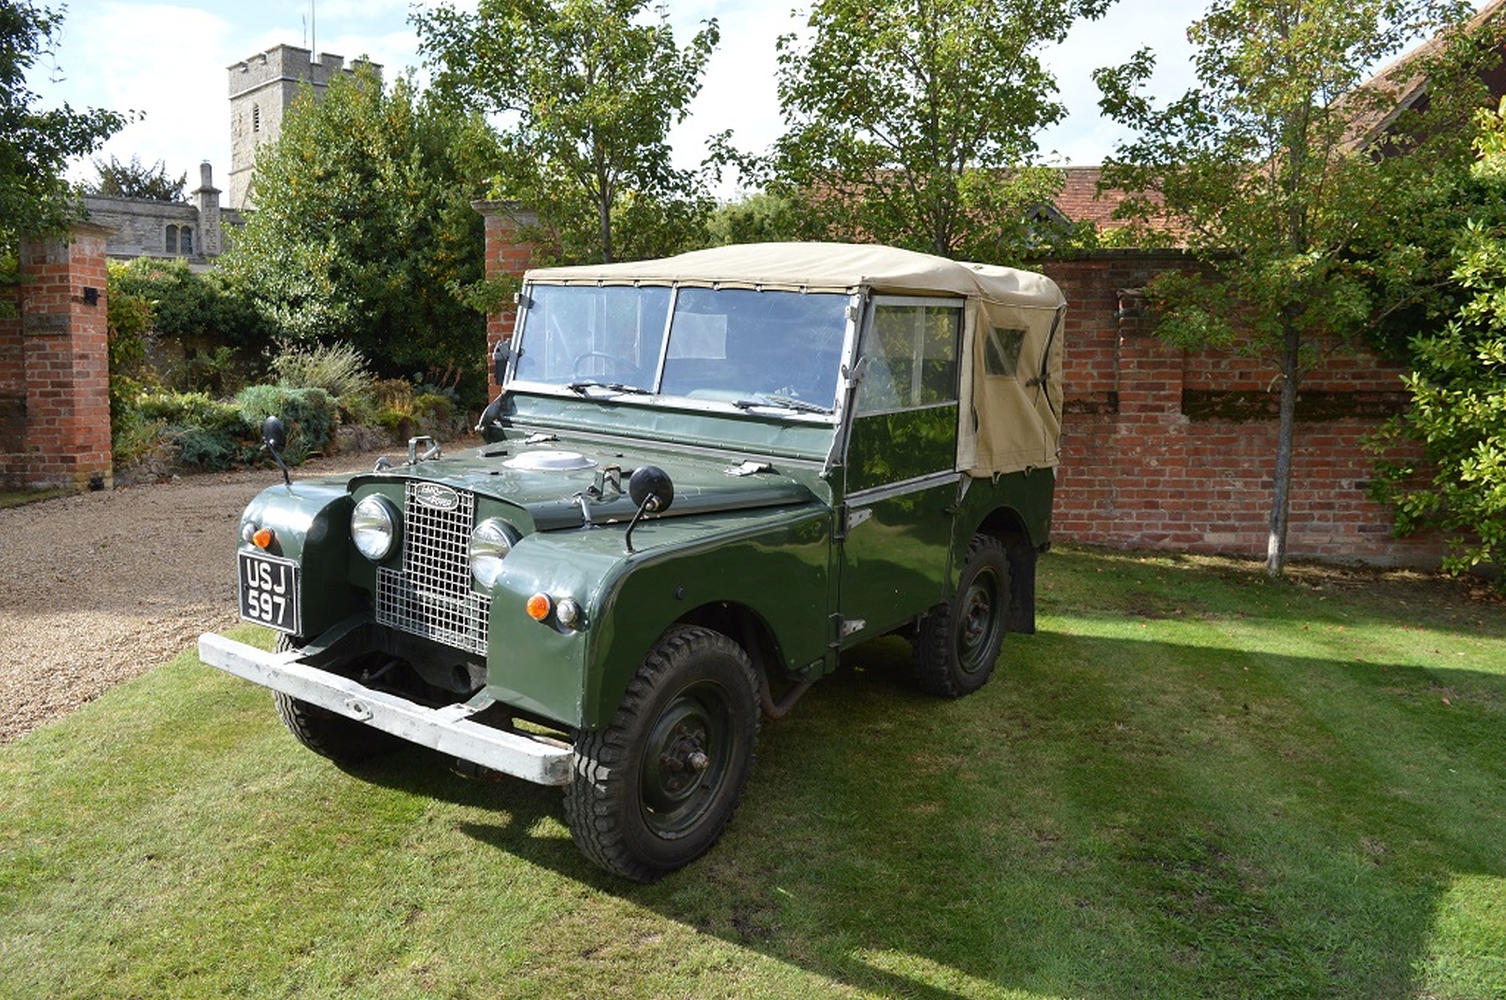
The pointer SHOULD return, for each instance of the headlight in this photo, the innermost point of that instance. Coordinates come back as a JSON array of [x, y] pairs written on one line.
[[490, 542], [373, 527]]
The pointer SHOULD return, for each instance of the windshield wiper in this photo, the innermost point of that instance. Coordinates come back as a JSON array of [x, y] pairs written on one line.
[[581, 385], [781, 402]]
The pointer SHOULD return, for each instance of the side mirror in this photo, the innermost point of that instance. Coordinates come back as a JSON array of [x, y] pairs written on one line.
[[274, 436], [651, 489]]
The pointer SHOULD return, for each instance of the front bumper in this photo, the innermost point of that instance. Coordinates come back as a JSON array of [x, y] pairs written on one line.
[[448, 730]]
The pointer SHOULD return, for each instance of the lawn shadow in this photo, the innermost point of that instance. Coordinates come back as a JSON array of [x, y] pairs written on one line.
[[1287, 838]]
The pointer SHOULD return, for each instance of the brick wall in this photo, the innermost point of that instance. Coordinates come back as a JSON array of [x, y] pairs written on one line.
[[54, 367], [508, 254], [1169, 450]]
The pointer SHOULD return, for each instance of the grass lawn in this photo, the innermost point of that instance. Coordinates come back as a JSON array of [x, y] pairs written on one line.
[[17, 497], [1192, 782]]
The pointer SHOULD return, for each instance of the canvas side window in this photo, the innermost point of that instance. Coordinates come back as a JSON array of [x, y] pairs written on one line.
[[1002, 353], [912, 357]]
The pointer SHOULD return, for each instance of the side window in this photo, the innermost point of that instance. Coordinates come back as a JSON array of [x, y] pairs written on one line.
[[1002, 355], [912, 356]]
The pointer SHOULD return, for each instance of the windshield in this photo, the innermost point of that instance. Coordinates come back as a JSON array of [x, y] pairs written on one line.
[[748, 348]]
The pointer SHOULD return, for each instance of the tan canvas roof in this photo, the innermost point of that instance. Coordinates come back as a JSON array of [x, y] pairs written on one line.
[[825, 267]]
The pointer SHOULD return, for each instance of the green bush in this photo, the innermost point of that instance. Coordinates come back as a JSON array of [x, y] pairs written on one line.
[[310, 415], [207, 433]]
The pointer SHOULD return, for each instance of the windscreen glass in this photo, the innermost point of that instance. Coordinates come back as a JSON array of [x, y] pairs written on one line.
[[749, 348]]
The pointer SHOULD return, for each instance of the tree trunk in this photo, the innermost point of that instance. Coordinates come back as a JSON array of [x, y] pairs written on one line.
[[1286, 426]]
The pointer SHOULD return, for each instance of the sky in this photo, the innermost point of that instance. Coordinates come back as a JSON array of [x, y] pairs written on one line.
[[168, 61]]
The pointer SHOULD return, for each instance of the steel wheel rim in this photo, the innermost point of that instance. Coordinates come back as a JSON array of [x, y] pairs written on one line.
[[685, 761], [978, 622]]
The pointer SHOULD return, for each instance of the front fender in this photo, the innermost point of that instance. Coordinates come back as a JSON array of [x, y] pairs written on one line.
[[777, 566], [310, 523]]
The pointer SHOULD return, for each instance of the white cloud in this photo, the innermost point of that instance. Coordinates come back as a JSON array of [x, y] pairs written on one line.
[[164, 62]]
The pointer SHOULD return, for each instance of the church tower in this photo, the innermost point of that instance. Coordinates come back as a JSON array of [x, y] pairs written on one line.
[[261, 90]]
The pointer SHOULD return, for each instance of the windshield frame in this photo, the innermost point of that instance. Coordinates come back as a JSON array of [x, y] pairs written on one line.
[[752, 404]]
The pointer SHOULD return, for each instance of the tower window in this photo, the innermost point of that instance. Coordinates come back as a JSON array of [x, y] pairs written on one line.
[[256, 118]]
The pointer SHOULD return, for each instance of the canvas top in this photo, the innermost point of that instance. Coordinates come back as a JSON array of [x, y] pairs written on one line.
[[824, 267]]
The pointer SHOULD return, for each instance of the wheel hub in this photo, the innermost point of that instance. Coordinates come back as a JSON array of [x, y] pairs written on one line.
[[683, 760]]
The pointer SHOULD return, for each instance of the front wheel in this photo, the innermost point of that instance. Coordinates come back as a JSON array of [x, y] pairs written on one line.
[[655, 788], [344, 741], [958, 642]]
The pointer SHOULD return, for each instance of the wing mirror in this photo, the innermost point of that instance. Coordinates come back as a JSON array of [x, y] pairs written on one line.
[[652, 490], [274, 438]]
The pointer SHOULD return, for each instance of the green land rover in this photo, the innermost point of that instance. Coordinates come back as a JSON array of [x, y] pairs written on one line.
[[705, 477]]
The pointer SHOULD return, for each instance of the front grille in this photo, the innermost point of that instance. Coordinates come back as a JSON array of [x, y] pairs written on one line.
[[432, 595]]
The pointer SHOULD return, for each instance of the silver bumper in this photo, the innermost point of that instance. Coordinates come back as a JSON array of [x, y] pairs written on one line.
[[448, 730]]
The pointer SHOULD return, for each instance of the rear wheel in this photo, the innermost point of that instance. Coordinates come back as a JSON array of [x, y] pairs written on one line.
[[958, 642], [655, 788], [342, 740]]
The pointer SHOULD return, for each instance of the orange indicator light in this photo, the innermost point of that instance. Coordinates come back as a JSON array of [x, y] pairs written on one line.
[[539, 607], [263, 538]]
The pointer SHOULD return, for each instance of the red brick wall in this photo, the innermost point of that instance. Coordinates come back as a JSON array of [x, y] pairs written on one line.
[[1169, 450], [54, 363], [508, 254]]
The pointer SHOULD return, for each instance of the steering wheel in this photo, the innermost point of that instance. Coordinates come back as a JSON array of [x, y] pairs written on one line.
[[618, 364]]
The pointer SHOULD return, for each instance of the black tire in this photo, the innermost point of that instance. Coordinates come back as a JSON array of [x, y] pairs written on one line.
[[342, 740], [958, 642], [655, 788]]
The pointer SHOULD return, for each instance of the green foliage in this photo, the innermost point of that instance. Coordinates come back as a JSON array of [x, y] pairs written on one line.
[[207, 433], [914, 124], [195, 310], [590, 91], [129, 325], [761, 217], [36, 144], [1454, 479], [310, 416], [364, 225], [1271, 170], [132, 180]]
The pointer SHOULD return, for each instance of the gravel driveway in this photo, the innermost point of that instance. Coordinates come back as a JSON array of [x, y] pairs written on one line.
[[101, 587]]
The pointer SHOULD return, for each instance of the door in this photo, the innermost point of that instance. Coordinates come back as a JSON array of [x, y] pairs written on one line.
[[900, 469]]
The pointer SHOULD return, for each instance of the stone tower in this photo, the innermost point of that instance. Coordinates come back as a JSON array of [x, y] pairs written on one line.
[[261, 90]]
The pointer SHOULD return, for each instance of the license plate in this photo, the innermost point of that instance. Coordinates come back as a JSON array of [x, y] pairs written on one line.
[[269, 591]]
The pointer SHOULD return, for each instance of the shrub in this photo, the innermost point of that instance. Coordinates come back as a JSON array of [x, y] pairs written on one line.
[[338, 369], [206, 433], [310, 416]]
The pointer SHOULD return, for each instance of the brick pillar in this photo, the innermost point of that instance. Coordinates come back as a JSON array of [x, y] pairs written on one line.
[[64, 363], [509, 252], [12, 388]]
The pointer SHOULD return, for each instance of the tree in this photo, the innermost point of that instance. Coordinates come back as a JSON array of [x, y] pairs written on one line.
[[590, 93], [911, 121], [36, 144], [1297, 214], [132, 180], [1455, 477], [363, 229]]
